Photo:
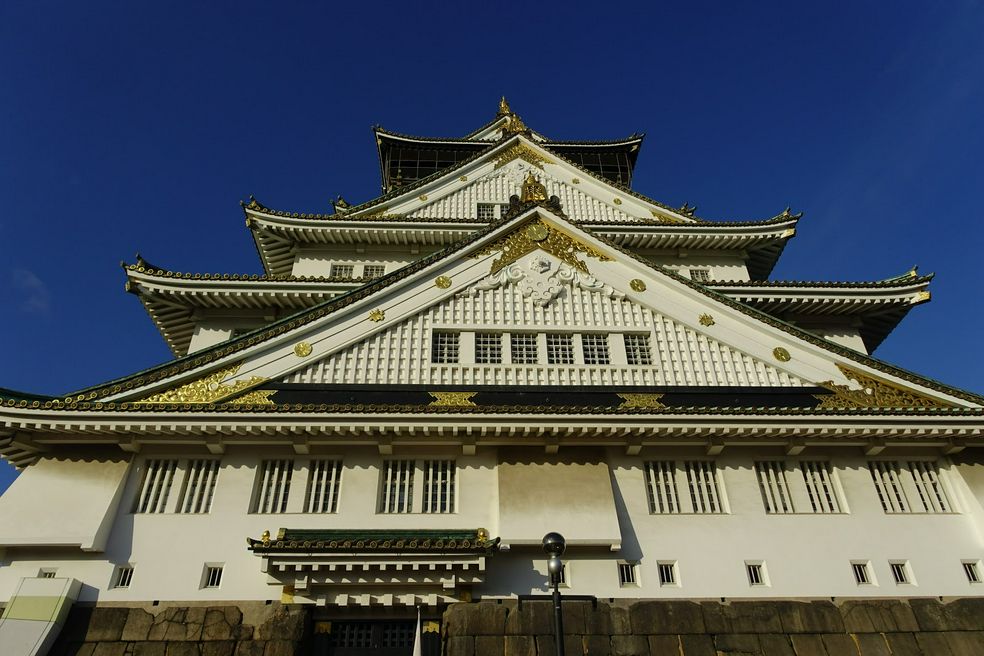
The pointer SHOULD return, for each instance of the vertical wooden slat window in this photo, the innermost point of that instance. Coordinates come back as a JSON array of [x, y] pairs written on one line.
[[439, 486], [156, 486], [199, 486], [702, 482], [396, 494], [661, 487], [273, 486], [885, 476], [324, 479], [772, 484], [818, 479], [932, 496]]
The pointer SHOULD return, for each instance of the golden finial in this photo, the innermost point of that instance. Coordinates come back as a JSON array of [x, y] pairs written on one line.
[[265, 537], [503, 108], [532, 189]]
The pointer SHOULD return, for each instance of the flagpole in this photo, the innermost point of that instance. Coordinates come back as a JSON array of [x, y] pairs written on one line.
[[417, 649]]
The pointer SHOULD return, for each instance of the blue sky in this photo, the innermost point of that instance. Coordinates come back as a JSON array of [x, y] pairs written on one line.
[[128, 128]]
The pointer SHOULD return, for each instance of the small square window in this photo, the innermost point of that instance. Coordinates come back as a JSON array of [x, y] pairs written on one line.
[[628, 574], [47, 573], [756, 573], [700, 275], [485, 212], [342, 270], [595, 347], [371, 271], [972, 571], [488, 348], [667, 573], [123, 576], [900, 571], [637, 349], [862, 576], [560, 348], [565, 576], [444, 347], [523, 348], [212, 576]]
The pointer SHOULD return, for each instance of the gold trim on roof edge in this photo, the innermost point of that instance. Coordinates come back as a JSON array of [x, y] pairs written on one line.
[[256, 397], [207, 389], [525, 239], [649, 401], [874, 393], [452, 399]]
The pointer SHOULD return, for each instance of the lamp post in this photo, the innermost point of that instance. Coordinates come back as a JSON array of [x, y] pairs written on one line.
[[554, 544]]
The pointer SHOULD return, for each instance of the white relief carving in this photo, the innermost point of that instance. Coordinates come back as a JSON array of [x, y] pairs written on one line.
[[542, 280]]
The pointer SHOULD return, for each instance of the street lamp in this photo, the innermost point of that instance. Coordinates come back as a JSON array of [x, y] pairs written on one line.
[[554, 544]]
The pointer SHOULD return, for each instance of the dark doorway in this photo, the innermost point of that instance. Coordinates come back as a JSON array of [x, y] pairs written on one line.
[[375, 638]]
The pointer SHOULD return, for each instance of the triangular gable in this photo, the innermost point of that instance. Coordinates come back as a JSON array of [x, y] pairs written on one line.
[[690, 311]]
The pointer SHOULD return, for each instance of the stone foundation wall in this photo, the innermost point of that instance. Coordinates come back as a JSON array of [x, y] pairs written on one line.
[[273, 630], [917, 627]]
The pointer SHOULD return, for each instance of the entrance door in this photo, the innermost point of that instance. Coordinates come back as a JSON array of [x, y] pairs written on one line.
[[374, 638]]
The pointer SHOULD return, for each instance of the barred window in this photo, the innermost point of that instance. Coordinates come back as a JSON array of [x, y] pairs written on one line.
[[861, 575], [900, 571], [523, 348], [818, 479], [560, 348], [486, 211], [756, 573], [122, 576], [488, 348], [661, 487], [595, 348], [703, 486], [971, 571], [373, 271], [888, 484], [156, 486], [324, 478], [667, 573], [212, 576], [932, 496], [772, 484], [272, 486], [700, 275], [627, 576], [439, 486], [444, 347], [342, 270], [637, 349], [396, 489], [199, 486]]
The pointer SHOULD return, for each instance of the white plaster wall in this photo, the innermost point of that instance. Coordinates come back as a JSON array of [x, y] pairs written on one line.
[[317, 262], [720, 266]]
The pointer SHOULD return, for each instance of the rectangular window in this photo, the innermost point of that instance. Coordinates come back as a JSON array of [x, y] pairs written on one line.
[[488, 348], [522, 347], [439, 486], [212, 577], [595, 348], [888, 484], [371, 271], [756, 573], [700, 275], [819, 486], [156, 486], [972, 571], [324, 478], [396, 489], [772, 484], [900, 571], [560, 348], [637, 349], [932, 496], [565, 576], [342, 270], [661, 487], [272, 486], [485, 212], [47, 573], [861, 576], [703, 486], [444, 347], [667, 573], [123, 576], [199, 486], [627, 575]]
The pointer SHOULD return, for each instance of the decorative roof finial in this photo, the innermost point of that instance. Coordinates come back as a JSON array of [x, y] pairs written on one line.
[[503, 108], [533, 189]]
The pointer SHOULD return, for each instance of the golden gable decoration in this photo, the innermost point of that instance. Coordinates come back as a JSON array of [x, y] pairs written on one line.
[[207, 389], [874, 393], [537, 234], [523, 152]]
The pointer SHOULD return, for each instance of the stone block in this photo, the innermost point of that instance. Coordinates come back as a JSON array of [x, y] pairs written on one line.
[[574, 615], [933, 644], [737, 643], [598, 619], [958, 615], [183, 649], [903, 644], [137, 625], [877, 616], [459, 645], [218, 648], [216, 626], [629, 645], [73, 649], [663, 617], [596, 645], [194, 621], [741, 617], [966, 643], [664, 645], [621, 622], [109, 649], [839, 644], [76, 625], [149, 649], [810, 617], [243, 632], [482, 618], [280, 648], [284, 624], [697, 645], [806, 644], [530, 619], [519, 646], [776, 644], [545, 646], [489, 644], [872, 644], [106, 624]]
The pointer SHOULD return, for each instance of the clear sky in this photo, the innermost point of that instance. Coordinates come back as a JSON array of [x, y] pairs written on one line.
[[127, 127]]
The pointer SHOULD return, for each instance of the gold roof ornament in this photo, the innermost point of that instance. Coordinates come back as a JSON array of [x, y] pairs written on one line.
[[873, 393], [504, 109], [208, 389], [525, 239], [532, 190]]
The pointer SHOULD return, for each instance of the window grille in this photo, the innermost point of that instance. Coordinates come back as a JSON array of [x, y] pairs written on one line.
[[342, 270], [861, 576], [565, 579], [756, 573], [700, 275], [885, 476], [324, 478], [661, 487], [702, 482], [213, 576], [971, 571], [370, 271], [272, 486], [560, 348], [595, 348], [932, 496], [900, 571], [439, 486], [667, 573], [627, 574], [124, 574], [444, 347], [819, 486], [637, 349], [199, 486], [488, 348], [397, 487], [47, 573], [486, 211], [772, 484], [156, 486], [523, 348]]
